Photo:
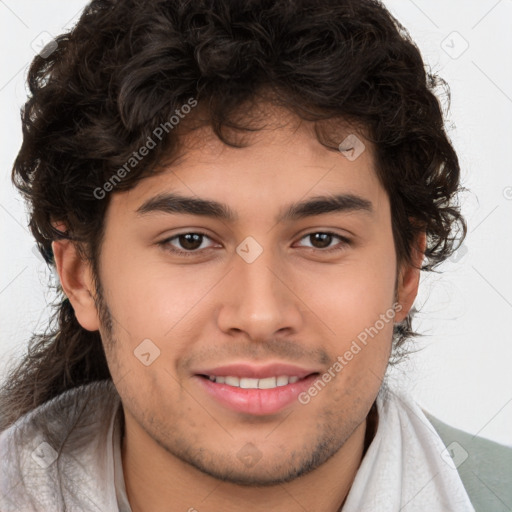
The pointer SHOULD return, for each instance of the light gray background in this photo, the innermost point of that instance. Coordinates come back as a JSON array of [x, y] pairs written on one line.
[[462, 374]]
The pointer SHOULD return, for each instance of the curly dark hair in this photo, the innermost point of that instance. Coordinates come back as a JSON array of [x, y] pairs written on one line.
[[128, 65]]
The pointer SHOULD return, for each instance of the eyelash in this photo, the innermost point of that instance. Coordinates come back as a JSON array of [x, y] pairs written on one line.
[[166, 243]]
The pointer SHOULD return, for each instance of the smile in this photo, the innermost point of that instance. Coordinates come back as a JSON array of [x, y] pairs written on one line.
[[251, 383], [256, 390]]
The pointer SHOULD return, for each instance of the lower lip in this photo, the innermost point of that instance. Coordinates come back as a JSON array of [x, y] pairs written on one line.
[[256, 401]]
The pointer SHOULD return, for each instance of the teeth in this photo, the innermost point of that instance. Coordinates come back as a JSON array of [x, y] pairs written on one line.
[[233, 381], [250, 383], [247, 383], [268, 383], [282, 381]]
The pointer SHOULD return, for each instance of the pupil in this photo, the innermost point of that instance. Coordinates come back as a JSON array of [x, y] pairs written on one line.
[[323, 238], [190, 241]]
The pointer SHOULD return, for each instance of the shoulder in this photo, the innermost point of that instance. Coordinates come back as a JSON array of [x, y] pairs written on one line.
[[53, 440], [485, 467]]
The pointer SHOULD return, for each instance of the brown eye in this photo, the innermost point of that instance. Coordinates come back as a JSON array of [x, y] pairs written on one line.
[[323, 241], [187, 244], [190, 241]]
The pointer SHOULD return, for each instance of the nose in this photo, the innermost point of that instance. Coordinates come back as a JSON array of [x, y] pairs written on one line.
[[259, 299]]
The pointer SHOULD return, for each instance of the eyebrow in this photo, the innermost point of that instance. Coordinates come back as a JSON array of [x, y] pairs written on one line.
[[177, 204]]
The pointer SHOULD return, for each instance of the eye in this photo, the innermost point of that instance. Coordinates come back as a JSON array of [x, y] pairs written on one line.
[[186, 244], [322, 241], [192, 243]]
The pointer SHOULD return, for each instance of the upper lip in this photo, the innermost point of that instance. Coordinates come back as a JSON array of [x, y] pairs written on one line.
[[250, 370]]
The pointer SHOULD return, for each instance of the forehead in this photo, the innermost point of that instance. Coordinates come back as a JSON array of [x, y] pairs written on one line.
[[279, 163]]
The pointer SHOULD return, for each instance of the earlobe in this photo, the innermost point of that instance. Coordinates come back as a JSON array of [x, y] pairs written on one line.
[[77, 282], [409, 278]]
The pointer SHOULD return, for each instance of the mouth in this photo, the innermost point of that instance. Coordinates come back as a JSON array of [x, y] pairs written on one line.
[[255, 390], [251, 383]]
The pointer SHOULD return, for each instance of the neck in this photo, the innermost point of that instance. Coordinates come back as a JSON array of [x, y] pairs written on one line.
[[154, 479]]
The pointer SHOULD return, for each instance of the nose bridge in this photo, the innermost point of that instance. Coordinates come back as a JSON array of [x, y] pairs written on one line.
[[260, 293], [259, 301], [260, 284]]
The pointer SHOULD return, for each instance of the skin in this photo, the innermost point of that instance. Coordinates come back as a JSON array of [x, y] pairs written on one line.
[[294, 304]]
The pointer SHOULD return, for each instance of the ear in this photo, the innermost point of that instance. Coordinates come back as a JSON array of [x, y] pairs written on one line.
[[77, 282], [409, 278]]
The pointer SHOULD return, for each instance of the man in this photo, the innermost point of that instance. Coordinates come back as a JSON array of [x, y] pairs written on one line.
[[238, 198]]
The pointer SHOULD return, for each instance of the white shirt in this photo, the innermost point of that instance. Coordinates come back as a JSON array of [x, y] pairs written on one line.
[[66, 455]]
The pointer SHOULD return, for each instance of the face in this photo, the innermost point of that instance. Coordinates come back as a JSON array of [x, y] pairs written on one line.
[[226, 329]]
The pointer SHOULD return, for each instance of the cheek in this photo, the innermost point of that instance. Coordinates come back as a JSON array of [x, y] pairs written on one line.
[[160, 311], [149, 297], [351, 296]]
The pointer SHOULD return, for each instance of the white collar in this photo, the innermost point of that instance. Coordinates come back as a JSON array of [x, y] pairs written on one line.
[[405, 467]]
